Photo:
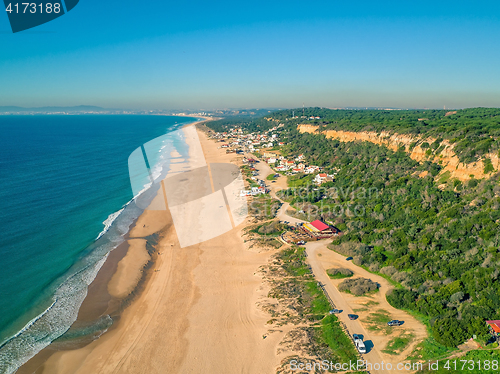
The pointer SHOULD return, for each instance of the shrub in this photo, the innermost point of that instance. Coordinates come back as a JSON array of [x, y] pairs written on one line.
[[400, 277], [388, 270], [473, 183], [374, 268], [457, 297], [358, 260], [337, 273], [449, 331], [401, 298], [272, 228], [358, 286], [488, 166], [350, 248]]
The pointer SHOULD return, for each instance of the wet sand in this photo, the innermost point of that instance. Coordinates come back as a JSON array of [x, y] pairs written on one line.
[[130, 268]]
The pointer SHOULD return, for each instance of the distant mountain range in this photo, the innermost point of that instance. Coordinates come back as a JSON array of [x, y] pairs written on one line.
[[46, 109]]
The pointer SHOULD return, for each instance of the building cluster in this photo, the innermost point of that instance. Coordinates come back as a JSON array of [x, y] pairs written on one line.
[[295, 166], [254, 191], [236, 141]]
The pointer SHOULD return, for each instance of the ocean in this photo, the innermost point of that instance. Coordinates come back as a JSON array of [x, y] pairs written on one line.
[[66, 193]]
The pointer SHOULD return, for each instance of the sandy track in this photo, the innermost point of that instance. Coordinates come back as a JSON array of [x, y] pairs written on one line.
[[321, 258], [327, 258]]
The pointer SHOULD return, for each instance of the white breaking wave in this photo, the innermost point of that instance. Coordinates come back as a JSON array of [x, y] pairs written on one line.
[[50, 324], [146, 187], [32, 322], [108, 222], [54, 321]]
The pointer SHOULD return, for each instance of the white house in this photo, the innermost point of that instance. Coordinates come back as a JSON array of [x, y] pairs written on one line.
[[245, 193], [320, 178]]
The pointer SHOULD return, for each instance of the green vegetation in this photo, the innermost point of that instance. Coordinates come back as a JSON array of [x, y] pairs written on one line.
[[250, 124], [339, 273], [328, 339], [488, 166], [380, 317], [358, 286], [377, 321], [337, 340], [299, 180], [429, 349], [398, 344], [474, 132], [302, 190], [263, 207], [245, 170], [266, 234], [273, 228], [473, 362], [439, 245], [366, 305], [293, 261]]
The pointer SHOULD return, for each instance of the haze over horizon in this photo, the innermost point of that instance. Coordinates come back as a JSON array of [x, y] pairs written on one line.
[[94, 108], [196, 55]]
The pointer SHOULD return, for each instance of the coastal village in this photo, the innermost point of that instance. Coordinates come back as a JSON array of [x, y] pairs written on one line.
[[265, 147], [268, 166]]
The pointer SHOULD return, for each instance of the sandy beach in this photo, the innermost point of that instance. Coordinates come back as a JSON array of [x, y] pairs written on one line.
[[197, 310]]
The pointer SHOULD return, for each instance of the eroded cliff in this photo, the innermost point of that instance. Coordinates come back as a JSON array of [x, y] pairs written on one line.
[[445, 155]]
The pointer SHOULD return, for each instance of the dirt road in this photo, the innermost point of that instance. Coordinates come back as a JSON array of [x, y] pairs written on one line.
[[376, 335]]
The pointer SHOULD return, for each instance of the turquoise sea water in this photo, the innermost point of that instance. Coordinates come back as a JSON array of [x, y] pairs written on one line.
[[63, 180]]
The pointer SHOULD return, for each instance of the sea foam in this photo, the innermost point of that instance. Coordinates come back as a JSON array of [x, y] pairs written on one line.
[[50, 324]]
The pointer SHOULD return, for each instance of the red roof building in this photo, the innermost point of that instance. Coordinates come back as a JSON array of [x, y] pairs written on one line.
[[319, 225], [494, 325], [318, 230]]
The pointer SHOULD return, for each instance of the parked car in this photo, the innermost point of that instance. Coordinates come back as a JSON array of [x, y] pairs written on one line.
[[352, 316], [348, 258], [358, 342], [335, 311], [395, 322], [301, 242]]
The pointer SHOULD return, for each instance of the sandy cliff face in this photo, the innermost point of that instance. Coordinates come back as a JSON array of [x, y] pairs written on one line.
[[447, 157]]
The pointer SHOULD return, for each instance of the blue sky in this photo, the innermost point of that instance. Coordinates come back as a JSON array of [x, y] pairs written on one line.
[[192, 55]]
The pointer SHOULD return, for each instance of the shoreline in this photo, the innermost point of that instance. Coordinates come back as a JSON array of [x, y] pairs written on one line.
[[196, 309], [208, 290], [99, 302]]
